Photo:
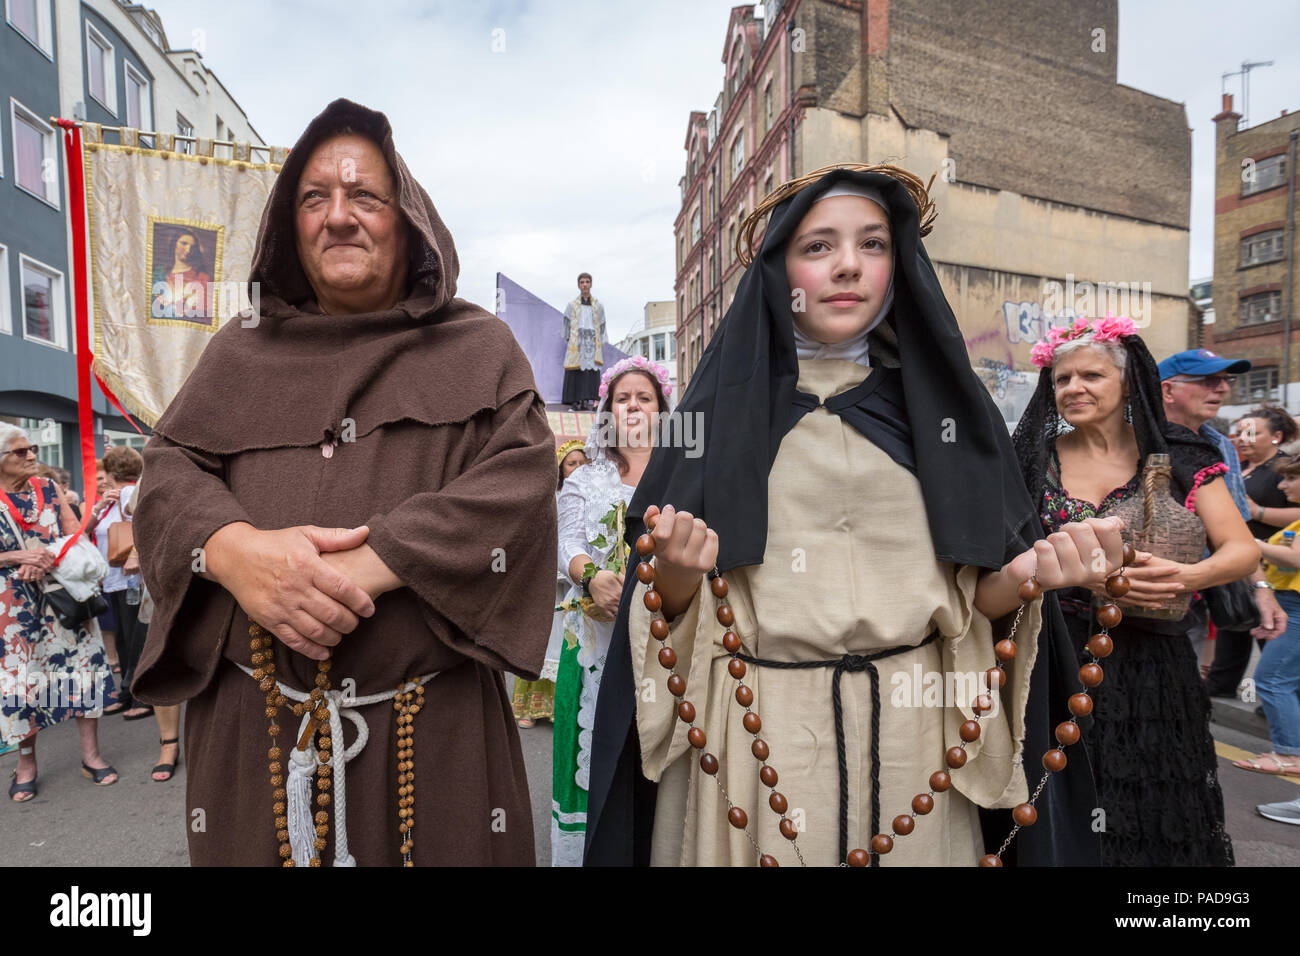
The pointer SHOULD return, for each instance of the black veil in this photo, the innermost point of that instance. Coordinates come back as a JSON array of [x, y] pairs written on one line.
[[979, 510]]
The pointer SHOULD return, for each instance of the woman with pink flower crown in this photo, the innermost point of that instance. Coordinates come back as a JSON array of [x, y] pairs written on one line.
[[1094, 419], [592, 504]]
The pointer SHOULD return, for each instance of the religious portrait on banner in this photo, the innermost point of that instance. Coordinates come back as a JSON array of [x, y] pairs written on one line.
[[183, 259]]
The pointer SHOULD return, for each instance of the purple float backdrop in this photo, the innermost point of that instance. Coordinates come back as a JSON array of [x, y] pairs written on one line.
[[539, 329]]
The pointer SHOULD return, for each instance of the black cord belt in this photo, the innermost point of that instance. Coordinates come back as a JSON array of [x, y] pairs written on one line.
[[851, 663]]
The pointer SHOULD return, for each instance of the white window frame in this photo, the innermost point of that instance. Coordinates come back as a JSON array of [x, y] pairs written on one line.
[[59, 309], [738, 167], [1251, 188], [44, 29], [110, 68], [6, 303], [146, 97], [51, 151]]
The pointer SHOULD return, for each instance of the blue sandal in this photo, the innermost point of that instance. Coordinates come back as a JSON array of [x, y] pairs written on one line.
[[98, 775], [16, 788]]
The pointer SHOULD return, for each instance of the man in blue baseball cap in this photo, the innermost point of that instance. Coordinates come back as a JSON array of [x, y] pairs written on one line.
[[1194, 385]]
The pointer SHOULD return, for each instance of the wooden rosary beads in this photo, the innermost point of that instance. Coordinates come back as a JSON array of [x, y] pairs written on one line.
[[736, 816], [407, 706], [1024, 815]]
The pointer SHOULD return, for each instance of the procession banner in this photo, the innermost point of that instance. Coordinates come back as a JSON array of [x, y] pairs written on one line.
[[171, 240]]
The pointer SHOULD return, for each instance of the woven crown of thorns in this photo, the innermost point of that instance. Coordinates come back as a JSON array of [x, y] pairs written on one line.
[[919, 191]]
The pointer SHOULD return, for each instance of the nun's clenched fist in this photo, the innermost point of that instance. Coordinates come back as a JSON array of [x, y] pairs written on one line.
[[685, 548]]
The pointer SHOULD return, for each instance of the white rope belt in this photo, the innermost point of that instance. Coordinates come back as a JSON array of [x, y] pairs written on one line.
[[303, 764]]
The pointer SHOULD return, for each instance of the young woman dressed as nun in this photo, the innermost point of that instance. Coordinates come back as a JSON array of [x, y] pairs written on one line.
[[858, 493]]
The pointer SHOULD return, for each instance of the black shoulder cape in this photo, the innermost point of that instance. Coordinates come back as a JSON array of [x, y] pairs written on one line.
[[978, 508]]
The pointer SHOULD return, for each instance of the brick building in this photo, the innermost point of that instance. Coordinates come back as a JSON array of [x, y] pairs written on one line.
[[1254, 224], [1059, 190]]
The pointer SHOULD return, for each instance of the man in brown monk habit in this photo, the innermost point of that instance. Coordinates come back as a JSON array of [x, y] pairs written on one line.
[[367, 473]]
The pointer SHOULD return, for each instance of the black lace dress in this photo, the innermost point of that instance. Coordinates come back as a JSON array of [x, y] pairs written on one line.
[[1149, 741]]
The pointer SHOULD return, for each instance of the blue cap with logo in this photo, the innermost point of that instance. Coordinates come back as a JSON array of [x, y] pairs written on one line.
[[1200, 362]]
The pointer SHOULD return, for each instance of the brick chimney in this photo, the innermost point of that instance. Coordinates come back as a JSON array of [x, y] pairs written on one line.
[[1228, 113]]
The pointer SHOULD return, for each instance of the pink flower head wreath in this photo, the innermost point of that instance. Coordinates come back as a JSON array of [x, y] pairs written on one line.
[[1109, 329], [636, 363]]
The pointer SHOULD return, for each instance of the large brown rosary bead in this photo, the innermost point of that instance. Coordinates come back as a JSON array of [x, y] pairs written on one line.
[[719, 587], [922, 804], [1030, 590], [1025, 815], [653, 601], [686, 711], [1117, 585], [659, 629], [903, 824], [1090, 675], [955, 758], [737, 818], [777, 801], [1100, 645], [1067, 732], [696, 738], [768, 775], [645, 545], [668, 658], [736, 668], [1005, 650], [709, 764], [990, 860], [858, 858], [726, 617], [752, 722], [1054, 760], [676, 685], [645, 572], [996, 678], [982, 704], [940, 781], [881, 844], [969, 730], [1109, 615], [767, 860], [744, 696], [788, 829], [1080, 705], [1130, 555], [759, 748], [731, 641]]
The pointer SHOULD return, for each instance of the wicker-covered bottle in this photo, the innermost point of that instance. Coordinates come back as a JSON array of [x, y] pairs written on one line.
[[1155, 522]]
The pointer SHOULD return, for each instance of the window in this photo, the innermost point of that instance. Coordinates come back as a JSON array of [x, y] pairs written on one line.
[[767, 103], [695, 225], [657, 350], [737, 154], [1262, 247], [1268, 173], [100, 72], [36, 162], [43, 308], [737, 66], [1257, 385], [6, 322], [185, 128], [713, 201], [767, 182], [31, 18], [139, 112], [1262, 307]]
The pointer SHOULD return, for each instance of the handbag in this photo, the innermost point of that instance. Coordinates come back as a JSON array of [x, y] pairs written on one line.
[[121, 539], [1232, 606], [69, 611]]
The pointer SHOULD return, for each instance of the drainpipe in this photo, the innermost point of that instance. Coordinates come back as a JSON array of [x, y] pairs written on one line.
[[1290, 267]]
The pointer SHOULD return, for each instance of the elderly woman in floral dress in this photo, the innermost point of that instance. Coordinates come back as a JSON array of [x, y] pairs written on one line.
[[48, 673]]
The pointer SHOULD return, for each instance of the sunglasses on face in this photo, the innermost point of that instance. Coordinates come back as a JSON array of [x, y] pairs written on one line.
[[23, 452], [1209, 381]]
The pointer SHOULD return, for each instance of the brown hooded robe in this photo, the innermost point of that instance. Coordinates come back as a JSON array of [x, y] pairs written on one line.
[[445, 453]]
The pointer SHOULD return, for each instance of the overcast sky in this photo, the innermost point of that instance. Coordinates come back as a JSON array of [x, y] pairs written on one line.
[[550, 133]]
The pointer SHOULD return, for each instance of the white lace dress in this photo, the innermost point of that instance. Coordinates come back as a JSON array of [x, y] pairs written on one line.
[[587, 497]]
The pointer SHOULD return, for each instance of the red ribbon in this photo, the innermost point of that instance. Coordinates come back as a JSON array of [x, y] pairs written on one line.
[[40, 506]]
